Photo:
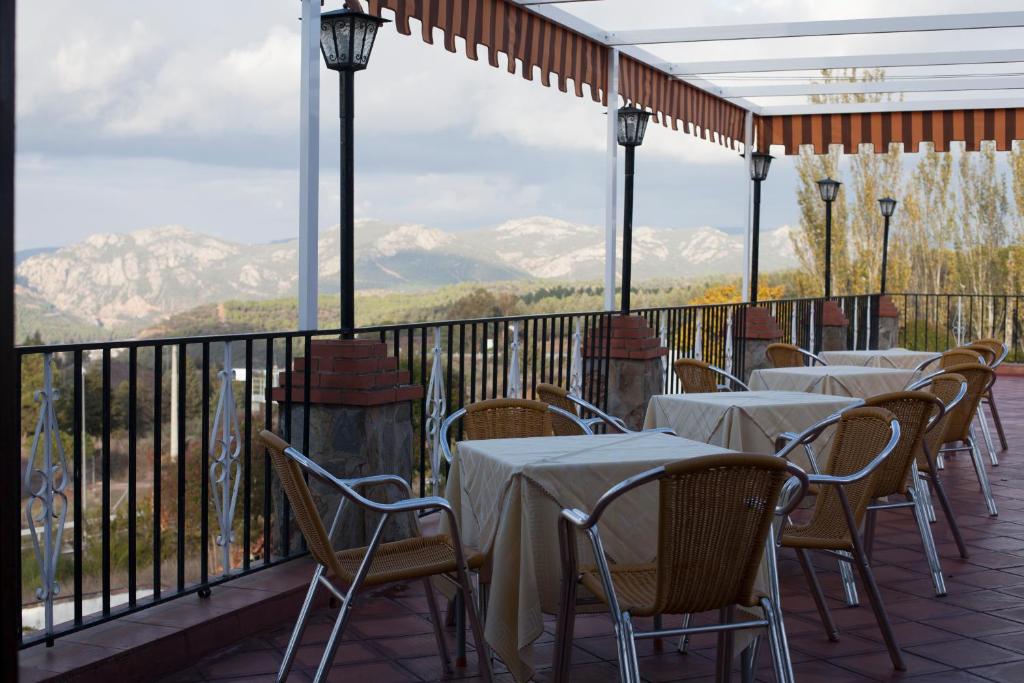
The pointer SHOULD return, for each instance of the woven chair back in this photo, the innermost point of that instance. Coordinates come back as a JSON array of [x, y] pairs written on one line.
[[860, 436], [784, 355], [985, 351], [304, 509], [554, 395], [913, 409], [959, 356], [995, 346], [696, 376], [944, 387], [507, 418], [979, 378], [715, 515]]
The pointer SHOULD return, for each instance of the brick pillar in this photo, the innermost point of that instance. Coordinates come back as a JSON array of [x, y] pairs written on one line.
[[360, 423], [888, 323], [833, 327], [759, 330], [634, 365]]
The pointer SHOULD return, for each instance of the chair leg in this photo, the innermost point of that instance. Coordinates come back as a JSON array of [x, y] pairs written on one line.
[[928, 543], [819, 598], [335, 638], [725, 645], [684, 640], [781, 642], [300, 626], [996, 419], [849, 583], [632, 662], [986, 434], [924, 496], [460, 629], [469, 608], [748, 661], [781, 662], [449, 615], [979, 469], [658, 621], [875, 598], [435, 620], [947, 510], [564, 632]]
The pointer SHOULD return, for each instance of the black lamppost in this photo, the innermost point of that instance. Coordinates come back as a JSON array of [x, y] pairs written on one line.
[[346, 39], [632, 125], [829, 190], [888, 207], [760, 163]]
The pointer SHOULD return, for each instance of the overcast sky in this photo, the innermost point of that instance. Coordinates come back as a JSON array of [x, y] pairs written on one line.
[[134, 114]]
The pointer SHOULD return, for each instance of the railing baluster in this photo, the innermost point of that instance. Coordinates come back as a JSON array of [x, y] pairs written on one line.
[[158, 416], [133, 375], [247, 462], [78, 462], [180, 436], [204, 482], [268, 424]]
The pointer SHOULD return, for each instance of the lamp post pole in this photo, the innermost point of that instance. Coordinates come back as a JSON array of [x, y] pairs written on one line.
[[887, 206], [346, 97], [760, 163], [632, 124], [829, 190]]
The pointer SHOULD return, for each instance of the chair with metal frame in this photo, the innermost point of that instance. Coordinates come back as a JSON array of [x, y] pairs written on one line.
[[954, 356], [999, 351], [949, 388], [782, 355], [698, 377], [556, 396], [416, 558], [714, 528], [864, 440], [960, 426]]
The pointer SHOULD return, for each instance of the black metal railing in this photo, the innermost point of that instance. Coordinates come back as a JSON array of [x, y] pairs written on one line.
[[134, 418], [935, 322]]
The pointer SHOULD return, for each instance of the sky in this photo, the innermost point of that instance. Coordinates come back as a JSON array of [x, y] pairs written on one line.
[[137, 114]]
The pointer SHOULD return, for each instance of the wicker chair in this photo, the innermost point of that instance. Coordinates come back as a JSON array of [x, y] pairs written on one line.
[[960, 425], [999, 351], [791, 356], [698, 377], [714, 527], [949, 388], [954, 356], [417, 558], [863, 441]]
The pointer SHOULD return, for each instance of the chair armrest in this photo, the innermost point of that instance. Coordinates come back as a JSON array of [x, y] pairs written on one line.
[[382, 480], [830, 479]]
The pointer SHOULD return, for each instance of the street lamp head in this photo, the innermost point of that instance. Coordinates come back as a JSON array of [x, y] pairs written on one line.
[[760, 162], [346, 38], [887, 205], [829, 189], [632, 126]]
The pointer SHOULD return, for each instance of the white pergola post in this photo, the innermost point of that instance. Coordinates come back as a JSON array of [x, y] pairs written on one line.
[[309, 163], [748, 149], [611, 180]]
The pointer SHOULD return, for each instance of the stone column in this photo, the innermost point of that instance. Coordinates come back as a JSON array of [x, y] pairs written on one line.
[[833, 327], [360, 423], [888, 323], [634, 365], [759, 330]]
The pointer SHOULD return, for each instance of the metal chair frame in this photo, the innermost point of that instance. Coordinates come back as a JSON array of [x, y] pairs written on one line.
[[970, 445], [348, 488], [990, 400], [729, 377], [572, 520], [859, 557], [809, 355]]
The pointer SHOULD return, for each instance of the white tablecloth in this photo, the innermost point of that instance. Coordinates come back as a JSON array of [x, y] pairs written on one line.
[[889, 358], [508, 493], [840, 380], [746, 421]]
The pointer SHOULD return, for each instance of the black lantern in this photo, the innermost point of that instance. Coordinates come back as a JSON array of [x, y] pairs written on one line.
[[632, 126], [346, 40], [760, 162], [888, 206], [829, 190]]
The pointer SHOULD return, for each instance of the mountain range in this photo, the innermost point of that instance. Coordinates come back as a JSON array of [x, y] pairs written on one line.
[[122, 282]]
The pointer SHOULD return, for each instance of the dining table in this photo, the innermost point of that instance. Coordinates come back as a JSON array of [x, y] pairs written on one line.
[[839, 380], [746, 421], [508, 494], [879, 358]]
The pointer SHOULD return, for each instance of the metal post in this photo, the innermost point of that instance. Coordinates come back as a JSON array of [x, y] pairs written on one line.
[[755, 235], [309, 164], [627, 228], [828, 250], [748, 161], [611, 174], [885, 254], [346, 104]]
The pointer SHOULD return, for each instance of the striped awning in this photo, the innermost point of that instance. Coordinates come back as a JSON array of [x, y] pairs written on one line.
[[535, 45], [881, 129]]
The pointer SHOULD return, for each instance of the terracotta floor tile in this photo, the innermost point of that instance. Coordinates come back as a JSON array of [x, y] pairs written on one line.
[[964, 654]]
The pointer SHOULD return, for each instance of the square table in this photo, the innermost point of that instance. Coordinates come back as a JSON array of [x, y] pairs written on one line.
[[879, 358], [840, 380], [507, 495], [745, 421]]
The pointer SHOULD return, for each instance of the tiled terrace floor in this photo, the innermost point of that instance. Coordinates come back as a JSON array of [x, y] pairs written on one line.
[[976, 633]]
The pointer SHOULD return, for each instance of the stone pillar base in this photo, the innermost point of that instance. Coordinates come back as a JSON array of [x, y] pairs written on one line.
[[759, 330], [634, 366], [888, 323], [360, 423], [833, 327]]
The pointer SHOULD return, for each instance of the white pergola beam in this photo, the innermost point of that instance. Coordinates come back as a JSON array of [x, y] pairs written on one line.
[[846, 62], [890, 106], [861, 87], [798, 29]]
